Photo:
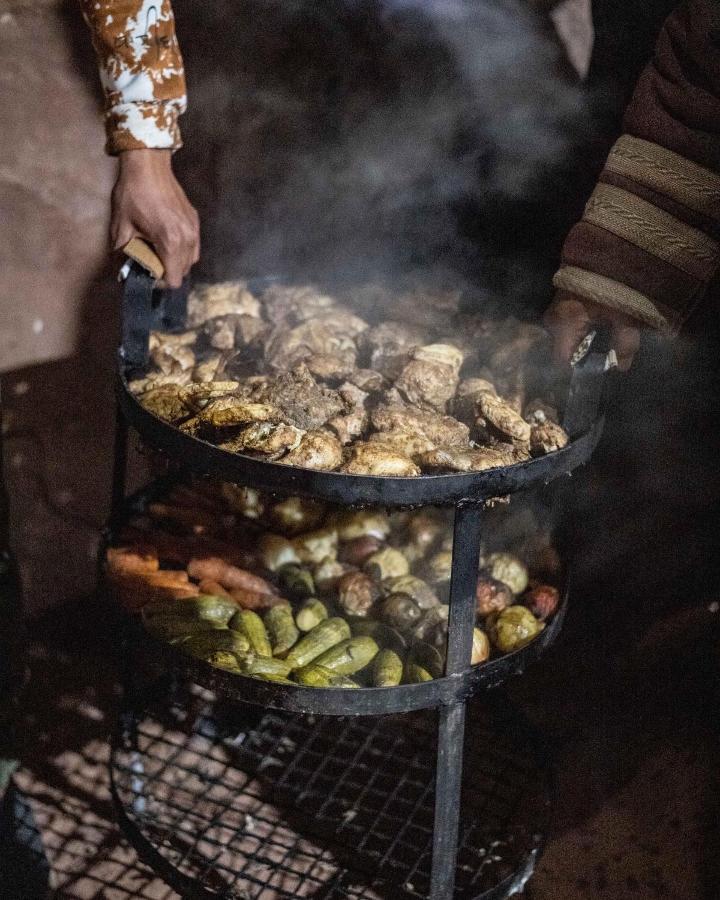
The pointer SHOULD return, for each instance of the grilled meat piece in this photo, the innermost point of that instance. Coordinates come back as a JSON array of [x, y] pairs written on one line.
[[265, 439], [231, 331], [427, 384], [140, 385], [342, 322], [366, 458], [209, 301], [294, 303], [226, 412], [329, 366], [316, 450], [367, 380], [443, 354], [477, 460], [464, 406], [196, 396], [547, 438], [538, 412], [165, 401], [503, 417], [300, 400], [351, 424], [407, 443], [390, 345], [443, 431], [287, 347], [209, 369]]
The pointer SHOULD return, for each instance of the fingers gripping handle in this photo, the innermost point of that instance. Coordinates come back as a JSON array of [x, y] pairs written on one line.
[[587, 385]]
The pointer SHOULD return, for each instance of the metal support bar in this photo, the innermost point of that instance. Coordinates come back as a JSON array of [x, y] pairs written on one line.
[[119, 470], [451, 724]]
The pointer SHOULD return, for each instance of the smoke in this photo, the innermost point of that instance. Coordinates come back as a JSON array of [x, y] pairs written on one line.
[[362, 138]]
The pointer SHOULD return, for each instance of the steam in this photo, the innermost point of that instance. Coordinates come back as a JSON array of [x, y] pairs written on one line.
[[360, 139]]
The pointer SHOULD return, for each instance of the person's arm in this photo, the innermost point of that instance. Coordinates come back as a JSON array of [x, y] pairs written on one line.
[[648, 245], [143, 80]]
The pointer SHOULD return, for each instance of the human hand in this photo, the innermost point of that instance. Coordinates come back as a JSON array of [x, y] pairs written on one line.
[[569, 318], [148, 202]]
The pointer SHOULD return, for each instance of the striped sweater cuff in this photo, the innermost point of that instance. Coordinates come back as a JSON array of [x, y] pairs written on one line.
[[649, 241]]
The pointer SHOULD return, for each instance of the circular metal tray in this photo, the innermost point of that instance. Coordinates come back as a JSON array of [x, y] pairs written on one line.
[[253, 805], [327, 701], [203, 458]]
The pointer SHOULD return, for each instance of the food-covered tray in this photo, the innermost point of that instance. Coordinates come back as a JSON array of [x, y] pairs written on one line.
[[430, 424], [172, 536]]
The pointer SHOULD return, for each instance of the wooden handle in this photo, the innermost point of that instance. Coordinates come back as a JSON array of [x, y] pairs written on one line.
[[144, 254]]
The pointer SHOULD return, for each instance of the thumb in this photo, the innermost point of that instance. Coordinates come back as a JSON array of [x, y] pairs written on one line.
[[568, 320]]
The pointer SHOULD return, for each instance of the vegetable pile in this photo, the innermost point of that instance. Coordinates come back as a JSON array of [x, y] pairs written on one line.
[[293, 591], [305, 379]]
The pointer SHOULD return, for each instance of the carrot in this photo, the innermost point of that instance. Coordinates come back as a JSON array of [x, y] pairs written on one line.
[[230, 577], [136, 559], [214, 589], [133, 591]]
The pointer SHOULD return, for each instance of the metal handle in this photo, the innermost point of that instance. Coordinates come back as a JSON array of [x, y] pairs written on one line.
[[588, 382], [144, 306]]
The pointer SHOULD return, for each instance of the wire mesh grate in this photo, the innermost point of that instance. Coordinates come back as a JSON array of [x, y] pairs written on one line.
[[257, 805]]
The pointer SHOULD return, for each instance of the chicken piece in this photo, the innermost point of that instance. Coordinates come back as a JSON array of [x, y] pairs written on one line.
[[232, 331], [464, 405], [349, 426], [226, 412], [300, 400], [329, 366], [196, 396], [166, 402], [538, 412], [444, 354], [366, 458], [408, 443], [265, 439], [442, 431], [209, 301], [367, 380], [475, 460], [503, 417], [547, 437], [220, 332], [140, 385], [316, 450], [209, 369], [390, 346], [287, 347], [171, 357], [427, 384], [160, 339], [341, 322], [291, 304]]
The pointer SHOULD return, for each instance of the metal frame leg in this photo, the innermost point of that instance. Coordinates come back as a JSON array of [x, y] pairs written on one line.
[[451, 724], [119, 468]]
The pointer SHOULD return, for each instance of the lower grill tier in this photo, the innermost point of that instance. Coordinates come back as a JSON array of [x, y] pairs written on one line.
[[236, 802]]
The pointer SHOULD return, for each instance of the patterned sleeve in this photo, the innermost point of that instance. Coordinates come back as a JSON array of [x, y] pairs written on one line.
[[649, 241], [141, 70]]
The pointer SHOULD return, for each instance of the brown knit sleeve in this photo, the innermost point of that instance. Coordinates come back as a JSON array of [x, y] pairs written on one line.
[[141, 70], [649, 240]]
